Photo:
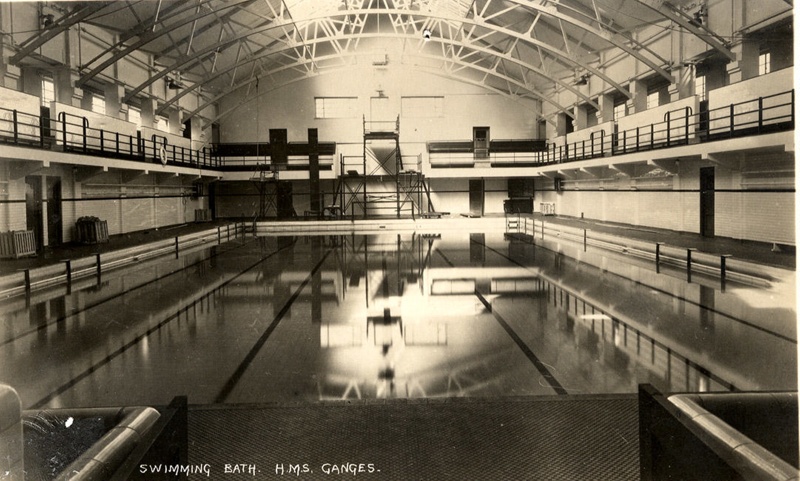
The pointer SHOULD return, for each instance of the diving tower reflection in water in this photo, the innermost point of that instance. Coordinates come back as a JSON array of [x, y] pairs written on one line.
[[417, 316]]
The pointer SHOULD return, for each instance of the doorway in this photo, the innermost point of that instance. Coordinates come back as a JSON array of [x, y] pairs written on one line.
[[707, 201], [476, 194], [54, 217], [33, 208]]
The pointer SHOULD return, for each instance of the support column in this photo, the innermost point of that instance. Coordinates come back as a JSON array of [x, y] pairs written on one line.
[[683, 86], [606, 112], [746, 64], [639, 101], [113, 94], [580, 121], [148, 112], [313, 171]]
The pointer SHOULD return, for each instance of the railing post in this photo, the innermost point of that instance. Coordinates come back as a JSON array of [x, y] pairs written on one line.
[[102, 131], [85, 128], [16, 125], [177, 247], [584, 240], [730, 120], [63, 116], [686, 119], [723, 270], [68, 267], [669, 123], [689, 264], [99, 267], [116, 143], [219, 235], [27, 280], [760, 113], [652, 136], [658, 256]]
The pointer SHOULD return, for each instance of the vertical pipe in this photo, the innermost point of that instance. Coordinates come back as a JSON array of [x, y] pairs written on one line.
[[27, 280], [99, 267], [584, 240], [68, 267], [177, 248]]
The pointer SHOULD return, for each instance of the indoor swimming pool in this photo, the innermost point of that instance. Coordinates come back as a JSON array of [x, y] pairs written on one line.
[[309, 318]]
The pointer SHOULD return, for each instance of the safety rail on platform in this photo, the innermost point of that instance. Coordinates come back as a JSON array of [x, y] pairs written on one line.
[[686, 260], [74, 134], [71, 270], [772, 113]]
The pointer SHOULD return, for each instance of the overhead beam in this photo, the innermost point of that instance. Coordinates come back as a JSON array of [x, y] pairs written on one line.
[[282, 23], [670, 165], [348, 37], [673, 13], [627, 169], [79, 14], [84, 173], [147, 37], [18, 169]]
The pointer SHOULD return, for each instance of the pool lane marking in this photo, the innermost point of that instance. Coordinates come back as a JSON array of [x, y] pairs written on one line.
[[113, 296], [94, 367], [540, 366], [248, 359]]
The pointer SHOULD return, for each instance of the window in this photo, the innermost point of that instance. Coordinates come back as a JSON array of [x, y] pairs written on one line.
[[134, 115], [700, 87], [422, 106], [335, 107], [764, 63], [652, 99], [48, 91], [98, 104], [620, 110], [162, 124]]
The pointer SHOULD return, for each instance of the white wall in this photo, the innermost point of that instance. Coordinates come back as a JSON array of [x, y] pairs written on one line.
[[292, 108], [754, 201]]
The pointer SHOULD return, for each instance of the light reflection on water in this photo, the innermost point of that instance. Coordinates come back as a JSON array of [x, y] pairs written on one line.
[[399, 315]]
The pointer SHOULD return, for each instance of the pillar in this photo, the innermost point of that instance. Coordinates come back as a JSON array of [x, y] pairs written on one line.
[[606, 111], [638, 103]]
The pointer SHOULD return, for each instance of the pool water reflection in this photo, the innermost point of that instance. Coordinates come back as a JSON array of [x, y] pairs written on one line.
[[392, 315]]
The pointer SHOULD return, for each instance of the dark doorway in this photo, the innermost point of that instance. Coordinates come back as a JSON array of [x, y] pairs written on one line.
[[285, 204], [480, 140], [476, 197], [54, 217], [33, 208], [707, 201]]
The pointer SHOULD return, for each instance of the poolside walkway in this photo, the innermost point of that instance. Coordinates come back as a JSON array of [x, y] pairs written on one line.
[[758, 252]]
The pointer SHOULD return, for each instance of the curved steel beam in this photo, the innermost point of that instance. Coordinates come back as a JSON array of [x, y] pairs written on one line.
[[60, 26], [148, 37], [670, 12], [606, 35], [343, 38], [556, 52]]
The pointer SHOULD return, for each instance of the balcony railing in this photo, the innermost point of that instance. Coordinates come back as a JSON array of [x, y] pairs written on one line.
[[74, 134], [773, 113]]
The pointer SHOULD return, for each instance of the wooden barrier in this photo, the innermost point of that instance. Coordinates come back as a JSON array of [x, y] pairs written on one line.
[[202, 215], [92, 231], [17, 244]]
